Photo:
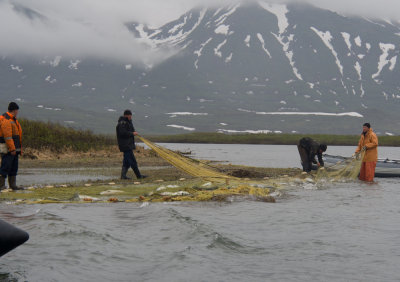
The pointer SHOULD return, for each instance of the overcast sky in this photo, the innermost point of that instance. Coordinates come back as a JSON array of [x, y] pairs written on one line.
[[79, 28]]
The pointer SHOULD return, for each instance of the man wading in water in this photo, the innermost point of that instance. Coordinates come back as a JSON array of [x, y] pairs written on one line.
[[308, 149], [369, 143], [126, 143]]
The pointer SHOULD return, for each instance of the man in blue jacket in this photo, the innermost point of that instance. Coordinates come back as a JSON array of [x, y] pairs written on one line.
[[126, 143]]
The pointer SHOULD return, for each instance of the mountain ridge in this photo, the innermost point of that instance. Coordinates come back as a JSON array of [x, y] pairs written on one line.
[[260, 67]]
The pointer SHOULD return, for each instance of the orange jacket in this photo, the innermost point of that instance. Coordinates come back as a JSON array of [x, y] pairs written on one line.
[[10, 132], [370, 141]]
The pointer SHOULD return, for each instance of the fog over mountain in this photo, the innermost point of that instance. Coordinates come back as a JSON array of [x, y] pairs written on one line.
[[94, 28]]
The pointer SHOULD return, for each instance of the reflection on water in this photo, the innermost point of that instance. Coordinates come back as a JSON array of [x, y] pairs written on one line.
[[340, 232], [327, 232]]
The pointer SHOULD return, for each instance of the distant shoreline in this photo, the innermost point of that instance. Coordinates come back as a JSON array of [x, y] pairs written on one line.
[[268, 139]]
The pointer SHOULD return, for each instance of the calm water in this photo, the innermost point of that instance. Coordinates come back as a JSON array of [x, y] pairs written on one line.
[[333, 232]]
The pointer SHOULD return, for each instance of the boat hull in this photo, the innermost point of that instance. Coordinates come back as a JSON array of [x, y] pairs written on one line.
[[384, 167]]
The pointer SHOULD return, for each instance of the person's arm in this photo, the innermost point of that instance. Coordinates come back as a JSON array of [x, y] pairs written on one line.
[[372, 142], [311, 157], [359, 146], [320, 160], [7, 134]]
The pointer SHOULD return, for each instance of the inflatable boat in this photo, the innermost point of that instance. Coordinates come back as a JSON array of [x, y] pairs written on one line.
[[11, 237], [384, 167]]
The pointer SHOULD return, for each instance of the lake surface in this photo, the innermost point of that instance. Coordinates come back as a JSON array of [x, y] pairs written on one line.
[[329, 232]]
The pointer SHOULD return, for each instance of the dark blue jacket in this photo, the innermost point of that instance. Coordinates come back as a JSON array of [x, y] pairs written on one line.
[[125, 137]]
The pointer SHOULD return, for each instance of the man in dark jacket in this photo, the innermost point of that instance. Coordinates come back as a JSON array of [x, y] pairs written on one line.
[[126, 143], [308, 149]]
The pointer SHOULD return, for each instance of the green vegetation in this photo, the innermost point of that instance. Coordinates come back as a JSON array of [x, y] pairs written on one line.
[[277, 139], [55, 137]]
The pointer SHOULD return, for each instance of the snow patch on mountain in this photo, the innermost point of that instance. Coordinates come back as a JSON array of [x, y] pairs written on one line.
[[259, 36], [222, 29], [358, 41], [229, 58], [393, 63], [181, 127], [346, 37], [73, 65], [247, 40], [56, 61], [178, 26], [351, 114], [48, 79], [357, 66], [383, 61], [264, 131], [280, 11], [217, 51], [289, 54], [187, 114], [326, 37], [223, 17], [16, 68], [198, 52]]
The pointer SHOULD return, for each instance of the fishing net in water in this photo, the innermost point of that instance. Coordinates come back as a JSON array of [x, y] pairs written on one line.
[[345, 169], [190, 166], [224, 185], [227, 186]]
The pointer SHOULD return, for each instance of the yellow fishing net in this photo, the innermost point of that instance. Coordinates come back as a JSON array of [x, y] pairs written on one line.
[[345, 169], [190, 166], [225, 185]]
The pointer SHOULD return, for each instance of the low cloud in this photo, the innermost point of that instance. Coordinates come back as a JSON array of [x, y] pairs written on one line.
[[96, 28], [54, 30]]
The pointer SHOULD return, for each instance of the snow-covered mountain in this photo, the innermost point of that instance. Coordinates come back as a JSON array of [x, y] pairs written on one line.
[[256, 67]]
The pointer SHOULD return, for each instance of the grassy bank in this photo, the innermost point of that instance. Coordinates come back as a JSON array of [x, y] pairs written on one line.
[[277, 139], [55, 137]]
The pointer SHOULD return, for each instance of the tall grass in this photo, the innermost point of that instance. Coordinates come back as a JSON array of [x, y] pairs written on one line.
[[55, 137]]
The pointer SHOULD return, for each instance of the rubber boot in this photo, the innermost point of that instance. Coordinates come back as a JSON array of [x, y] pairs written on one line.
[[12, 182], [2, 182], [124, 170], [137, 173]]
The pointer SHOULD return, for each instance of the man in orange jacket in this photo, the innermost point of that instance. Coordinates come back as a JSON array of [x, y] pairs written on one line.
[[11, 136], [369, 143]]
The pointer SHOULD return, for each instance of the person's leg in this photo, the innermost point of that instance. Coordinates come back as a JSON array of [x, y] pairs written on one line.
[[14, 166], [370, 171], [12, 175], [125, 166], [362, 172], [132, 163], [3, 171], [6, 164], [134, 166], [304, 158]]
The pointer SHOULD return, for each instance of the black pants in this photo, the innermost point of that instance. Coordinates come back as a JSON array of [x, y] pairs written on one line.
[[9, 165], [305, 160], [130, 161]]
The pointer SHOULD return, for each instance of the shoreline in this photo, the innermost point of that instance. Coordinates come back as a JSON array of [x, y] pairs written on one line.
[[176, 185]]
